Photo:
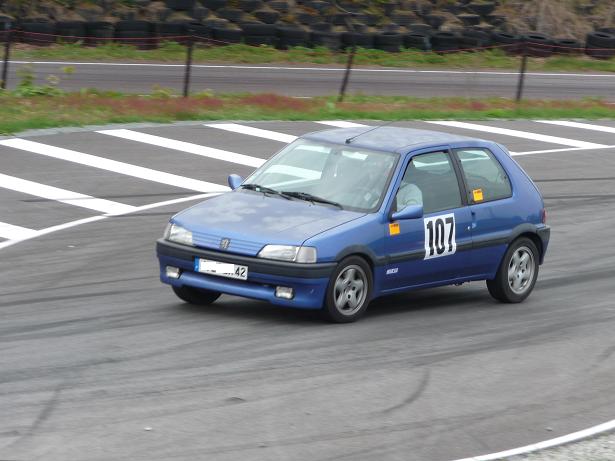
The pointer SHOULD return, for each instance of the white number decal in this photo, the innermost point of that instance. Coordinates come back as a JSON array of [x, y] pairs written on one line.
[[440, 236]]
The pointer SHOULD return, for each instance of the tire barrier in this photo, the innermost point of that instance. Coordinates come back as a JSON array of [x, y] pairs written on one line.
[[219, 31]]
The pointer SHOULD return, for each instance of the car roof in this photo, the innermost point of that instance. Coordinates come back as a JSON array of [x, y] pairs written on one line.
[[388, 138]]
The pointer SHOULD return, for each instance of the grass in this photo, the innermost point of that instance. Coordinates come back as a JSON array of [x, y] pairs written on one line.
[[174, 52], [96, 108]]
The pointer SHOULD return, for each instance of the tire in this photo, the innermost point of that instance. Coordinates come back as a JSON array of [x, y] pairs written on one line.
[[469, 19], [471, 38], [227, 36], [567, 46], [349, 291], [600, 45], [230, 14], [513, 271], [538, 45], [38, 33], [258, 28], [360, 40], [71, 31], [389, 42], [180, 5], [445, 41], [420, 28], [289, 37], [195, 295], [417, 41], [481, 9], [434, 20], [403, 17], [267, 16], [250, 5], [329, 40], [509, 42], [214, 4]]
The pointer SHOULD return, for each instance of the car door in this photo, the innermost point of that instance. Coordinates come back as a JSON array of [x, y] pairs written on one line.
[[431, 249], [491, 206]]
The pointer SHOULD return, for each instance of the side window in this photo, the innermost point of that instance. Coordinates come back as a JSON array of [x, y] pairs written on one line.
[[429, 180], [485, 177]]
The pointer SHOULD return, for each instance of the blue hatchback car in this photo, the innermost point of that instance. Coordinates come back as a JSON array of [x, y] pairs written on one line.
[[343, 216]]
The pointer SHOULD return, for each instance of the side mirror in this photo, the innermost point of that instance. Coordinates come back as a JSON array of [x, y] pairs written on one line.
[[234, 181], [410, 212]]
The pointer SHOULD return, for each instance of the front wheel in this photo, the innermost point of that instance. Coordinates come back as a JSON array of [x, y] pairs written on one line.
[[349, 290], [517, 273], [195, 295]]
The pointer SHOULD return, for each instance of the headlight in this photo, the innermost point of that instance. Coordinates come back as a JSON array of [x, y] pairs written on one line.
[[178, 234], [289, 253]]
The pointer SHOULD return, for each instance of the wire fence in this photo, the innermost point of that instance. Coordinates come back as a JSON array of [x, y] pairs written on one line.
[[442, 44]]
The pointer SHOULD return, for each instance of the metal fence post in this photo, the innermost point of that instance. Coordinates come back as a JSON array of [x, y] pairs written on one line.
[[522, 72], [189, 49], [7, 55], [350, 60]]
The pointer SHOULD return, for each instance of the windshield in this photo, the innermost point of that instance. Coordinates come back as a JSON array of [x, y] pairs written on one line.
[[354, 178]]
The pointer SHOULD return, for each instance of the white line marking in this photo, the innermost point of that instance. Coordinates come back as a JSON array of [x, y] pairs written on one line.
[[575, 436], [112, 165], [258, 132], [188, 147], [342, 124], [318, 69], [79, 222], [62, 195], [569, 149], [518, 134], [11, 232], [584, 126]]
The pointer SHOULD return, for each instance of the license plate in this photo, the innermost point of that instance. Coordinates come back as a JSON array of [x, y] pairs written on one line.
[[233, 271]]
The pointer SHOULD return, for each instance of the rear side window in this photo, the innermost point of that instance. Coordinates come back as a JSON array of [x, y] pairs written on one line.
[[485, 177]]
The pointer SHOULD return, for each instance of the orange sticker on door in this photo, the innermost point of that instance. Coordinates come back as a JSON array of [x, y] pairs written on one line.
[[394, 228], [478, 195]]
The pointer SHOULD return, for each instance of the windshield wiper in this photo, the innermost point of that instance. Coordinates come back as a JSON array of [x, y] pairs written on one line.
[[312, 198], [265, 190]]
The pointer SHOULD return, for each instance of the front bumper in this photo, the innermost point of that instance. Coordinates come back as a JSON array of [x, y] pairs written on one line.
[[309, 281]]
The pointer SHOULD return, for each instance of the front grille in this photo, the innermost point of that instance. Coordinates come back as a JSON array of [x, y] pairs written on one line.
[[238, 246]]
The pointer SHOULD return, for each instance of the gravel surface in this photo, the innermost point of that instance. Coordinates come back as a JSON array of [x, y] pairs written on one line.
[[595, 449]]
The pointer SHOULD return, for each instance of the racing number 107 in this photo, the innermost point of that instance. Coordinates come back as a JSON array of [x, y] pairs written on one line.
[[440, 236]]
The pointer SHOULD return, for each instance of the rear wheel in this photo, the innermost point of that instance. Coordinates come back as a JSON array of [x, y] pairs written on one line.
[[349, 290], [195, 295], [517, 273]]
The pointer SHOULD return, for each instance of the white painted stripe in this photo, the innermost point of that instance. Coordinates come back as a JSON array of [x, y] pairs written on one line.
[[574, 437], [569, 149], [62, 195], [258, 132], [318, 69], [584, 126], [517, 134], [112, 165], [79, 222], [11, 232], [188, 147], [341, 124]]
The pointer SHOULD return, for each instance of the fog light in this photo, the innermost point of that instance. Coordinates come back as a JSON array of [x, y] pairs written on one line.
[[172, 272], [284, 292]]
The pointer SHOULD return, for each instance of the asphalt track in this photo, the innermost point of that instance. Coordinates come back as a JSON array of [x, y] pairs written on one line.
[[99, 361], [320, 80]]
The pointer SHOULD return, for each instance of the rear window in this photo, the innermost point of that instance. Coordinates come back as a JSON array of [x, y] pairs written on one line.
[[485, 177]]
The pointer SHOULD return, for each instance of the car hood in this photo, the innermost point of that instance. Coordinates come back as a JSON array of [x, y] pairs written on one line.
[[251, 220]]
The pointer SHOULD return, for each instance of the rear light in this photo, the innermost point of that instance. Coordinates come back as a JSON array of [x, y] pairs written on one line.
[[543, 216]]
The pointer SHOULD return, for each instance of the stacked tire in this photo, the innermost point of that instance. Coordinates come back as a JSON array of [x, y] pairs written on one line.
[[99, 32], [257, 33], [172, 31], [289, 36], [600, 45], [38, 33], [71, 31], [443, 42], [135, 33], [537, 45]]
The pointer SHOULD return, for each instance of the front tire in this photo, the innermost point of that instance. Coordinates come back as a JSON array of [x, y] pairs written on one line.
[[195, 295], [349, 290], [517, 273]]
